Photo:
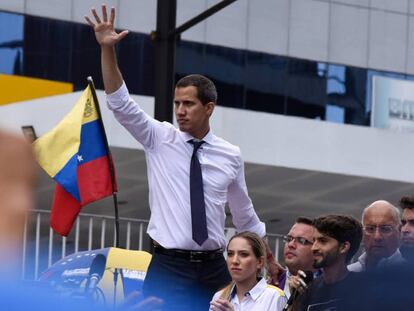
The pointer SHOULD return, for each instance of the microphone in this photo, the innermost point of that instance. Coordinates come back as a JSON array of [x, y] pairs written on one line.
[[305, 278], [96, 272]]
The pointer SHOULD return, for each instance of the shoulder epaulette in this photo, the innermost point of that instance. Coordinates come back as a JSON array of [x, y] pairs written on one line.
[[280, 292]]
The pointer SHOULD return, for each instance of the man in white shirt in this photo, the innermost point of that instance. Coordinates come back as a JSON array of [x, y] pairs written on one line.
[[381, 237], [192, 174]]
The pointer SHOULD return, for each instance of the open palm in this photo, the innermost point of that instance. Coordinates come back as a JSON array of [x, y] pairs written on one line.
[[104, 29]]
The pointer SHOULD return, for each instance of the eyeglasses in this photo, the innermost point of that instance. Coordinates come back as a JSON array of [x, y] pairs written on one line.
[[298, 239], [383, 230]]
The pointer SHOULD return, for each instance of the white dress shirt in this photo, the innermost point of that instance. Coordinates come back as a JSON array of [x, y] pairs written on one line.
[[260, 298], [286, 289], [168, 156]]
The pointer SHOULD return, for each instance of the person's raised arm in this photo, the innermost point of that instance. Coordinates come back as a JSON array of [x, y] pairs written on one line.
[[107, 38]]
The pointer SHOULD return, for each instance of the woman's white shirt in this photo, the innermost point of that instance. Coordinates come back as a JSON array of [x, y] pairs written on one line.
[[261, 297]]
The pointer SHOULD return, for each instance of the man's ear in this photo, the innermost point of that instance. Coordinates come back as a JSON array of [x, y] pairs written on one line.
[[209, 108], [344, 247]]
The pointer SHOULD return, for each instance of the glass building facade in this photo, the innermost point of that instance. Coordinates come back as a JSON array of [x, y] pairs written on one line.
[[66, 51]]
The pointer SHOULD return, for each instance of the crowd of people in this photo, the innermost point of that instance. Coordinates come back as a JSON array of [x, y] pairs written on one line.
[[192, 175], [378, 279]]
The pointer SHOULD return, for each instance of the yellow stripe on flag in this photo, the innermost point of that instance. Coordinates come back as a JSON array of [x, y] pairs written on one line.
[[90, 113], [55, 148]]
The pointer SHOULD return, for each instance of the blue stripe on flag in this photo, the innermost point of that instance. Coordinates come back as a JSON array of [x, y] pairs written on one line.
[[92, 144], [67, 177]]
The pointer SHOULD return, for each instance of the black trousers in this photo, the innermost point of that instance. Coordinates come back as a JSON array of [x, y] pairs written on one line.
[[185, 285]]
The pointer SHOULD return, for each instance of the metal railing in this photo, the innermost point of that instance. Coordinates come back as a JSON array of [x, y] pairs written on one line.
[[42, 248]]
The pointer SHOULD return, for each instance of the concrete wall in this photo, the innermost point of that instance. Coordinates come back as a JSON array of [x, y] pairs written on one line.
[[376, 34]]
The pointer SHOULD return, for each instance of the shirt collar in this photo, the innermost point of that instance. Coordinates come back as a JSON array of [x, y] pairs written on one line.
[[396, 257], [255, 292], [207, 139], [362, 259], [258, 289], [233, 291]]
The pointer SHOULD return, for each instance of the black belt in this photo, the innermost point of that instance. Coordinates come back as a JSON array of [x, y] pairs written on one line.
[[192, 256]]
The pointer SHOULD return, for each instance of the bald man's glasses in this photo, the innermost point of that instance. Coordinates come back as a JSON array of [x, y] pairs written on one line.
[[383, 230], [299, 239]]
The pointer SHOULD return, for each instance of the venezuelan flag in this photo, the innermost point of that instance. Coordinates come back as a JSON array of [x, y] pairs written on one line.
[[75, 155]]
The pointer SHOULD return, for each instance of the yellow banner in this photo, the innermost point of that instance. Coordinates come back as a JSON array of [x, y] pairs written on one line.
[[17, 88]]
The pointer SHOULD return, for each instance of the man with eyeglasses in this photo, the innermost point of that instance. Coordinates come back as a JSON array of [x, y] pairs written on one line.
[[381, 237], [297, 253], [407, 228], [390, 288]]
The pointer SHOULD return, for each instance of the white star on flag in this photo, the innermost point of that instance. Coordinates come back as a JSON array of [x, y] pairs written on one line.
[[80, 159]]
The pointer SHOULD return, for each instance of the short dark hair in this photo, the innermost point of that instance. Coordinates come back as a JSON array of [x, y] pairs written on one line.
[[342, 228], [304, 220], [206, 90], [407, 202]]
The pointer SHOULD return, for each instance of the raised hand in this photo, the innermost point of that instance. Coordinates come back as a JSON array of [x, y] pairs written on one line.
[[295, 282], [105, 33]]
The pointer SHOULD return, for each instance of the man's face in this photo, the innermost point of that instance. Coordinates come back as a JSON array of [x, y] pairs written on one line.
[[325, 250], [381, 232], [298, 256], [192, 116], [407, 230]]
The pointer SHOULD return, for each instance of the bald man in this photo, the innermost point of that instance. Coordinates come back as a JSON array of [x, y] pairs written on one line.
[[381, 237], [17, 173]]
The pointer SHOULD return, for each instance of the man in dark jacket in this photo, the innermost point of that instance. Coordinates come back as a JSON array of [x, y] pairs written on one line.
[[337, 239]]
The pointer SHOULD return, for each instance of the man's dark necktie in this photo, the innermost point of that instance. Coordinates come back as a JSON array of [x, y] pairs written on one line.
[[198, 208]]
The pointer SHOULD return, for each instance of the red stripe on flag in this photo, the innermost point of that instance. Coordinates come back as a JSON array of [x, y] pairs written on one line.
[[94, 180], [65, 209]]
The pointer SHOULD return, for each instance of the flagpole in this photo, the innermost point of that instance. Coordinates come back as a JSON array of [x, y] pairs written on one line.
[[111, 163]]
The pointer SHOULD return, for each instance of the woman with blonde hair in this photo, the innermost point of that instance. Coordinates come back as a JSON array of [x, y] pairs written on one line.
[[248, 289]]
